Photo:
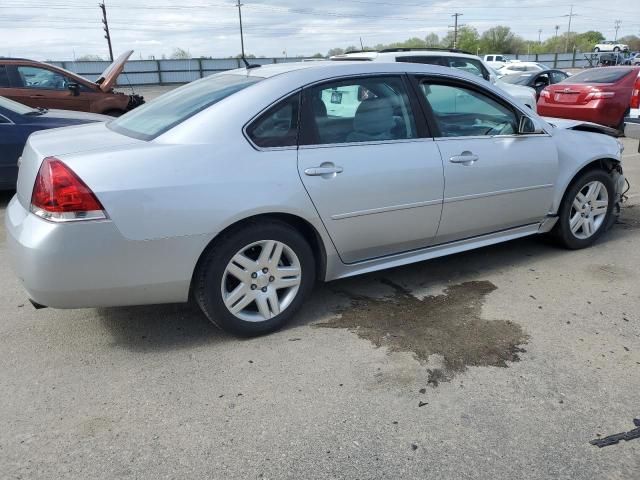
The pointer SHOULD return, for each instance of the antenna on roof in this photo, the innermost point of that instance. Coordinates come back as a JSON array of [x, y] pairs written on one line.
[[244, 59]]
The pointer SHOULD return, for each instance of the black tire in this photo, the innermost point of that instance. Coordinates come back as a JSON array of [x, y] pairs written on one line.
[[616, 49], [209, 276], [596, 50], [562, 230]]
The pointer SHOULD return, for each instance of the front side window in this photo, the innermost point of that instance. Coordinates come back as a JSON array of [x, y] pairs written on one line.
[[41, 78], [429, 60], [156, 117], [278, 127], [463, 112], [358, 110], [557, 77]]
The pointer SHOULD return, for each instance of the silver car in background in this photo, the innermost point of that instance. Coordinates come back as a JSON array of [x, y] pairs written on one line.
[[242, 189]]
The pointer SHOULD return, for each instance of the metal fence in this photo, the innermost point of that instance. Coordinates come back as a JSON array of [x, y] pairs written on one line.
[[163, 72]]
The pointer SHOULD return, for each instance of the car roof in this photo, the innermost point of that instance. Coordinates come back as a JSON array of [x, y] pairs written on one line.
[[328, 69], [400, 52]]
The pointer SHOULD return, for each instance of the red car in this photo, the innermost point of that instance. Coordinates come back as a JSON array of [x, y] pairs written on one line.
[[599, 95]]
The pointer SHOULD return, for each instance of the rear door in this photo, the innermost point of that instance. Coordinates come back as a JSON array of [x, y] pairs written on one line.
[[42, 87], [371, 170], [495, 179]]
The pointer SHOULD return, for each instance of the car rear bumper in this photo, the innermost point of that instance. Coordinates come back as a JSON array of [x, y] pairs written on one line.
[[592, 112], [90, 264]]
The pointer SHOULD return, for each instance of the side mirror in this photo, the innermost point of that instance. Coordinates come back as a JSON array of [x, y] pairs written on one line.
[[74, 88], [527, 126]]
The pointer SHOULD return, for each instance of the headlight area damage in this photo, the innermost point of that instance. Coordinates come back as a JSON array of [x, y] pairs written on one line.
[[583, 126], [135, 100]]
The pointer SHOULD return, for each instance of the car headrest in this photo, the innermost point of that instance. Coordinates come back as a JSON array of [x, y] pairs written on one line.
[[374, 116]]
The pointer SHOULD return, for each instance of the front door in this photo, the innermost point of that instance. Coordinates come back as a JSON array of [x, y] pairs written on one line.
[[371, 171], [41, 87], [495, 179]]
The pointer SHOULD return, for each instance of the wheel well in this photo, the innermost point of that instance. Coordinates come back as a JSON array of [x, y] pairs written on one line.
[[606, 164], [307, 230]]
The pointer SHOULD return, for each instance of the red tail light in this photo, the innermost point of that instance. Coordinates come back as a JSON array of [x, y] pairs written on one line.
[[60, 196], [635, 94], [598, 94], [545, 94]]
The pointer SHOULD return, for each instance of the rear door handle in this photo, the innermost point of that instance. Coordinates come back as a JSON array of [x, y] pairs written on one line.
[[323, 170], [466, 158]]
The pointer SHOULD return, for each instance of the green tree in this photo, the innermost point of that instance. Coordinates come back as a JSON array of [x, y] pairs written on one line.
[[468, 39], [89, 58], [432, 40], [501, 39], [632, 40], [335, 51]]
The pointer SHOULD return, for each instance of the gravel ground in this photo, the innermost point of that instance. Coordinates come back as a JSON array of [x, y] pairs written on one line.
[[541, 354]]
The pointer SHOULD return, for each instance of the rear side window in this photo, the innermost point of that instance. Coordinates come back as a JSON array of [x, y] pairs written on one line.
[[4, 77], [429, 60], [468, 65], [604, 75], [154, 118], [358, 110], [278, 126]]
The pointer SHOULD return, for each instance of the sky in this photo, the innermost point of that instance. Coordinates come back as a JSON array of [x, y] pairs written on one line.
[[67, 29]]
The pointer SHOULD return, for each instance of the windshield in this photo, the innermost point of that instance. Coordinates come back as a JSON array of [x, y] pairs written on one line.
[[517, 79], [603, 75], [154, 118], [15, 107]]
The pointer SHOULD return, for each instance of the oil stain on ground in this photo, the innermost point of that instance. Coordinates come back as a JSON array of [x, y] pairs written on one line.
[[449, 325]]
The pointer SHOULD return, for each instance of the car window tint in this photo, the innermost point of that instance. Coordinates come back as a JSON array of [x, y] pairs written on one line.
[[600, 75], [4, 77], [278, 127], [462, 112], [467, 65], [429, 60], [360, 110], [41, 78], [165, 112]]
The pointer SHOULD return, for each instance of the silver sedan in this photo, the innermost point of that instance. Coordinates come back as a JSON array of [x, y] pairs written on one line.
[[240, 190]]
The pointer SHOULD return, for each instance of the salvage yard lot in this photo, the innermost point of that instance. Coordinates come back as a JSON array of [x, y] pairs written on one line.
[[498, 363]]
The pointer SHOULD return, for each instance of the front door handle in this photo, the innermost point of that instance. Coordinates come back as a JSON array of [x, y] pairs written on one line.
[[465, 158], [326, 169]]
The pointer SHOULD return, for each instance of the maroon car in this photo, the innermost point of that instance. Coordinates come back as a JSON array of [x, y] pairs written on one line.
[[599, 95], [42, 85]]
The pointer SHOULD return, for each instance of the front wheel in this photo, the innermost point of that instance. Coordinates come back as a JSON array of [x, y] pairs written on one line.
[[253, 280], [616, 49], [586, 210], [596, 50]]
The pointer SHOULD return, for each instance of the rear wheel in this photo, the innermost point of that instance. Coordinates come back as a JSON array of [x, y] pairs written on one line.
[[254, 280], [586, 210], [616, 49], [596, 50]]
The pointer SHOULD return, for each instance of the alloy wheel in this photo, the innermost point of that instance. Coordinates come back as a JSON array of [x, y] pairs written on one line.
[[589, 210], [261, 280]]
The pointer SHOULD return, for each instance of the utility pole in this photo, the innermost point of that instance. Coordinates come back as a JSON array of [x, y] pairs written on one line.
[[239, 5], [571, 15], [106, 28], [557, 28], [455, 27], [361, 44], [539, 34], [617, 27]]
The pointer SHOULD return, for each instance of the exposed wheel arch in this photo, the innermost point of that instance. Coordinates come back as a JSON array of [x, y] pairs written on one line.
[[605, 164], [307, 230]]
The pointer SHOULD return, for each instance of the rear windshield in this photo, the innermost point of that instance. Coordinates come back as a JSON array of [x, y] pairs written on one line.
[[517, 79], [154, 118], [600, 75]]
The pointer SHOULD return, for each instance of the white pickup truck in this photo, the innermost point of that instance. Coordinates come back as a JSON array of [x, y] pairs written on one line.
[[496, 61]]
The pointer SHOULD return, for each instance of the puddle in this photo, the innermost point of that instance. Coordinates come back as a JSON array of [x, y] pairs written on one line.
[[448, 325]]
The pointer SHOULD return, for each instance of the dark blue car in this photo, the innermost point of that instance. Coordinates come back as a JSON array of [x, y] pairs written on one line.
[[17, 122]]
